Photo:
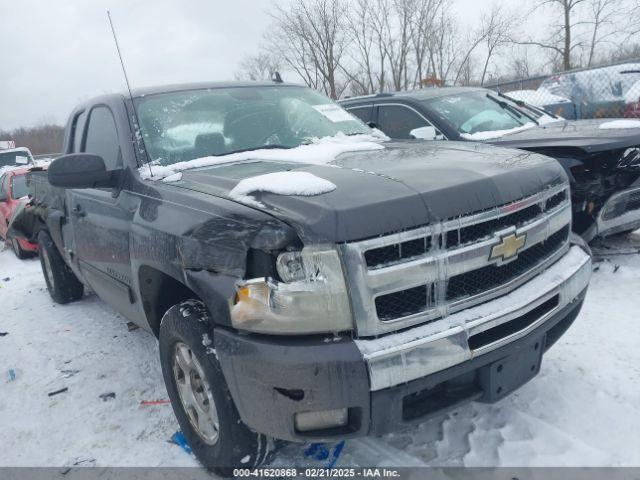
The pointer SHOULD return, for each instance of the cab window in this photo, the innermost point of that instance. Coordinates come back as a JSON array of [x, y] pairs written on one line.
[[397, 121], [102, 137], [363, 112]]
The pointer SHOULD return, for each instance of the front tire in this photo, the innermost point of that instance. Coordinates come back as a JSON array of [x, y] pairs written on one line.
[[62, 283], [200, 396]]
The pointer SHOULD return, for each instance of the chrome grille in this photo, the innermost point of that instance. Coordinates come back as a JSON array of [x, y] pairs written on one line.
[[485, 278], [421, 275]]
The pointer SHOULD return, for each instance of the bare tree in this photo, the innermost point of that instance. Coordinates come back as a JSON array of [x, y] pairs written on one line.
[[421, 27], [603, 14], [561, 41], [363, 77], [310, 37], [495, 30], [260, 66]]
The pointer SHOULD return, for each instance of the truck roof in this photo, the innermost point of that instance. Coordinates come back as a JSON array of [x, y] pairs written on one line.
[[179, 87], [141, 92]]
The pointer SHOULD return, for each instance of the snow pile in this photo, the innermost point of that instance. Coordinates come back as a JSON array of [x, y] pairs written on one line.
[[490, 134], [538, 98], [620, 124], [281, 183], [319, 151]]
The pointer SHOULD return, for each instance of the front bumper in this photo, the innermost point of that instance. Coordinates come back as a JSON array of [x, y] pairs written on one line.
[[399, 378]]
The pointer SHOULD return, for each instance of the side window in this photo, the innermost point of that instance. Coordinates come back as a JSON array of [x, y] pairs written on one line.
[[78, 130], [102, 137], [397, 121], [364, 112]]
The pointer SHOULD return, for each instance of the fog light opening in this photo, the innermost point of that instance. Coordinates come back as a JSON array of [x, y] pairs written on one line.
[[321, 420]]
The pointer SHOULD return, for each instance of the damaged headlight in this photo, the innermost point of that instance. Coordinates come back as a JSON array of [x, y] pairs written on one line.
[[311, 298]]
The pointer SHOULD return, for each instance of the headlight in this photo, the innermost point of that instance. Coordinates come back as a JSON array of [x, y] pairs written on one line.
[[312, 298]]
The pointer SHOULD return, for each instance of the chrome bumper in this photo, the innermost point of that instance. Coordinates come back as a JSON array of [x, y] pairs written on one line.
[[615, 217], [420, 351]]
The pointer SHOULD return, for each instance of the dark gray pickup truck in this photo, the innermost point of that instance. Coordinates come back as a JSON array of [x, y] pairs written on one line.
[[307, 279]]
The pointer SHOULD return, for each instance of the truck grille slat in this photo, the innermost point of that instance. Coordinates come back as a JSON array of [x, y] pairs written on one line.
[[484, 230], [397, 252]]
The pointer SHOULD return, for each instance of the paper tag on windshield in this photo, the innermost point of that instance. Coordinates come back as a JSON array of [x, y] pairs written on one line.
[[22, 160], [333, 113]]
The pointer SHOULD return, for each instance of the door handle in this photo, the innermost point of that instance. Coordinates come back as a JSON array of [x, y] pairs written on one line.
[[78, 211]]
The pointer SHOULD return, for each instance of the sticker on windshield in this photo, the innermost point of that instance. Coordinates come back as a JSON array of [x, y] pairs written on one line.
[[333, 112], [20, 160]]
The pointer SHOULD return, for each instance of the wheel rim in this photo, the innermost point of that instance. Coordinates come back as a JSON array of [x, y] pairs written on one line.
[[47, 266], [195, 394]]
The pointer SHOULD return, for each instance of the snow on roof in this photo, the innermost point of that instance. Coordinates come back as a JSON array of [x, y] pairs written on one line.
[[320, 151], [620, 124], [281, 183]]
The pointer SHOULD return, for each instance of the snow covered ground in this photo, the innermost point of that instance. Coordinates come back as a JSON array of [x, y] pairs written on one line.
[[583, 408]]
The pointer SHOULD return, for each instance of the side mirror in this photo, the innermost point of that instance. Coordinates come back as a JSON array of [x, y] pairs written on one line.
[[424, 133], [81, 170], [3, 197]]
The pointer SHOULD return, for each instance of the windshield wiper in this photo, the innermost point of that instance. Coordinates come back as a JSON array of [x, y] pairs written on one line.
[[512, 109], [526, 106]]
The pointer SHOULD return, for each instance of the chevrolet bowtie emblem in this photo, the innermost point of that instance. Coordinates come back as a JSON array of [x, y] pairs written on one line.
[[508, 247]]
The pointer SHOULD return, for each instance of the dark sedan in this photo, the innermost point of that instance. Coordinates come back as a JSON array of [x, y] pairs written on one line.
[[602, 157]]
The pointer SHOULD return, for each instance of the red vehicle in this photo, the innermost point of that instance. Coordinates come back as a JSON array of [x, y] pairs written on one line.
[[13, 192]]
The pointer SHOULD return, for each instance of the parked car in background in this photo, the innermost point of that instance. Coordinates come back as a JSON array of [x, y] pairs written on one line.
[[554, 104], [594, 93], [13, 194], [308, 279], [601, 157], [15, 157], [632, 101]]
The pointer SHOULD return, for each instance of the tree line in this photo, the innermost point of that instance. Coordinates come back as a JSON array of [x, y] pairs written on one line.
[[41, 139], [359, 47]]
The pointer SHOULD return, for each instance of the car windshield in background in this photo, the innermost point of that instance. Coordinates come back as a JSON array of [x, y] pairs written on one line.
[[12, 158], [478, 111], [19, 186], [182, 126]]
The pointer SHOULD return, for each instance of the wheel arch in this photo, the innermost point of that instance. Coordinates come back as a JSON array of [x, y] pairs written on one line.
[[159, 291]]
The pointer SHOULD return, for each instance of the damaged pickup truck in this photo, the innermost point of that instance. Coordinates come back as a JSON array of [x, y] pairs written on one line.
[[307, 278]]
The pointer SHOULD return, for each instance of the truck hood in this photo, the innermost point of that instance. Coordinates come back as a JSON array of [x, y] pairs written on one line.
[[404, 185], [584, 134]]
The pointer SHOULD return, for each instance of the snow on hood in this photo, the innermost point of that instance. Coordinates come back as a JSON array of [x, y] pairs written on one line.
[[488, 135], [319, 151], [620, 124], [281, 183]]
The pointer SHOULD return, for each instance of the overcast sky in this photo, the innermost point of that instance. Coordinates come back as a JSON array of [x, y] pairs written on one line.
[[56, 53]]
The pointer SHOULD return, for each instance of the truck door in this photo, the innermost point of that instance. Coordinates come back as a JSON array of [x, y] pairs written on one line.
[[100, 220]]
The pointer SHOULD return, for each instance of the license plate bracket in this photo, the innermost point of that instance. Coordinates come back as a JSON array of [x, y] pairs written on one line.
[[500, 378]]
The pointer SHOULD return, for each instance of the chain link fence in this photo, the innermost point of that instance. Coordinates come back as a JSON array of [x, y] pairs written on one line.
[[611, 91]]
